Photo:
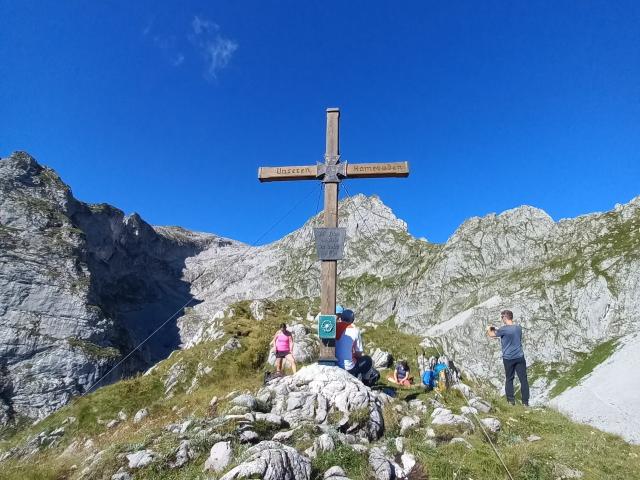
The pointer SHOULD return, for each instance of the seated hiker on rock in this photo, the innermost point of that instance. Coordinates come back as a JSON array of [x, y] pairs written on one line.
[[350, 349], [401, 374], [283, 345]]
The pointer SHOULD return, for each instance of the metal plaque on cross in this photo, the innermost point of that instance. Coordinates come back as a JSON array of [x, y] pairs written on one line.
[[330, 243]]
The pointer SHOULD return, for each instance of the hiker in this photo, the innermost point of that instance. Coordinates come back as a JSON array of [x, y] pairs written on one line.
[[401, 374], [350, 350], [283, 345], [510, 336]]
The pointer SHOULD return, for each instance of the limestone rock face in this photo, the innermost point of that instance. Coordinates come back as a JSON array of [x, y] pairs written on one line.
[[271, 461], [80, 286], [315, 390]]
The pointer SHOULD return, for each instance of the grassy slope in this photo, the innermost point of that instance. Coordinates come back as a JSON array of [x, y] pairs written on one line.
[[598, 454]]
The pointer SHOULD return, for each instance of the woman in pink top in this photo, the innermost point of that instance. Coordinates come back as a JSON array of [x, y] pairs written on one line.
[[283, 345]]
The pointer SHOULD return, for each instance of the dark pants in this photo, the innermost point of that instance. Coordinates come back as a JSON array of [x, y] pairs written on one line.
[[511, 367], [362, 366]]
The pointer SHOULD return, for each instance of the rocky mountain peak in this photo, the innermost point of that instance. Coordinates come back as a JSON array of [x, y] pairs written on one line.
[[19, 165], [532, 221], [360, 214], [368, 212]]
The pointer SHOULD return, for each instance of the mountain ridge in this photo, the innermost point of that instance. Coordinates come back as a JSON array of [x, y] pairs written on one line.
[[573, 283]]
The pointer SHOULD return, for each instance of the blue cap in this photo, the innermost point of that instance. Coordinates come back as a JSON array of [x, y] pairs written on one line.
[[339, 309], [348, 316]]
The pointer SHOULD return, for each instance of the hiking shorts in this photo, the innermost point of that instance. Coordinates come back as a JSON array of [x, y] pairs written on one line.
[[282, 354]]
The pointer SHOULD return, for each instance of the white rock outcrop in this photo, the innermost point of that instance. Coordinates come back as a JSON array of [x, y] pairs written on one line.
[[219, 457], [315, 390], [271, 461]]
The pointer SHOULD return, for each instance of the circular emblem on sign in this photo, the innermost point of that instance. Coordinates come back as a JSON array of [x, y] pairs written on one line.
[[327, 326]]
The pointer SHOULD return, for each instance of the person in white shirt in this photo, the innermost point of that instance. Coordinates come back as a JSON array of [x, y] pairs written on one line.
[[350, 347]]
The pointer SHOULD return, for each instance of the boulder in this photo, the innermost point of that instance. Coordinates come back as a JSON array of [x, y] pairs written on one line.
[[140, 459], [270, 460], [283, 436], [140, 415], [315, 390], [121, 476], [335, 473], [491, 424], [419, 406], [174, 376], [381, 359], [408, 462], [324, 443], [219, 457], [480, 405], [468, 411], [183, 455], [386, 468], [381, 465], [258, 310], [249, 436], [246, 400], [399, 442], [113, 423], [408, 423], [443, 416], [271, 418], [464, 388]]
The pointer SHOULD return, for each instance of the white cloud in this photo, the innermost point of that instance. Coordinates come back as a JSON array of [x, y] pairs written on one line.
[[200, 25], [216, 49], [217, 54]]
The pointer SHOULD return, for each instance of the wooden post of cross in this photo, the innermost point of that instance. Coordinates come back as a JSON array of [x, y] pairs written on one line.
[[331, 172]]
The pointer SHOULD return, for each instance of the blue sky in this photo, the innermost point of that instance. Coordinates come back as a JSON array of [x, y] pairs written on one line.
[[168, 110]]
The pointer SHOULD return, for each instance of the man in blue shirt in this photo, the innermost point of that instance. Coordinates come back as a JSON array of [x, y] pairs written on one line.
[[510, 336]]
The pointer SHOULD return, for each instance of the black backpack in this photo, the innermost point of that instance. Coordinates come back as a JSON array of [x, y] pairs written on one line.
[[371, 377]]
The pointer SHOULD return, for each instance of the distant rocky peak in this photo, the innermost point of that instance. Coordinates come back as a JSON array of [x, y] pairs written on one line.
[[138, 227], [23, 171], [19, 165], [32, 196], [629, 210], [360, 214], [368, 212], [531, 221]]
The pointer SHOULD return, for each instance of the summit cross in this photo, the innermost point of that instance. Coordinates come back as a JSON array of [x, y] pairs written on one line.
[[331, 172]]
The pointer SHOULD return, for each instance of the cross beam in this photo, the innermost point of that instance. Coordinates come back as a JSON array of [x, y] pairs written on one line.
[[331, 172], [353, 170]]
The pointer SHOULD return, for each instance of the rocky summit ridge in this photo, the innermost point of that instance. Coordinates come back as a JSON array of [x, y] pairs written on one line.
[[81, 284]]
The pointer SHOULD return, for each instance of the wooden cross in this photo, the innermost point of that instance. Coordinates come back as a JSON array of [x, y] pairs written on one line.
[[331, 172]]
